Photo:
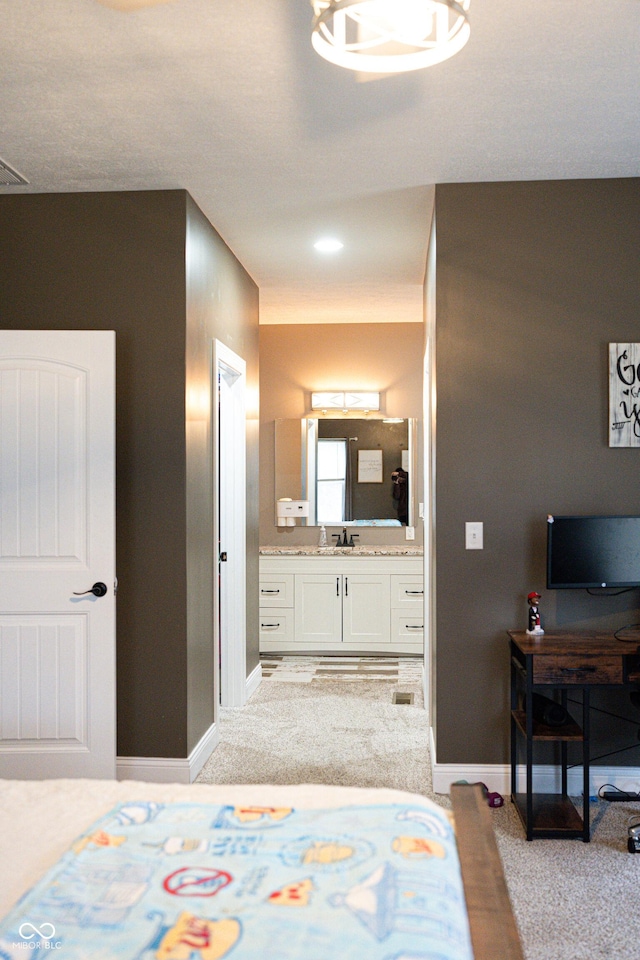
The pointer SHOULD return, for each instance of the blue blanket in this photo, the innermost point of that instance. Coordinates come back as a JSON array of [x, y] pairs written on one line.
[[203, 882]]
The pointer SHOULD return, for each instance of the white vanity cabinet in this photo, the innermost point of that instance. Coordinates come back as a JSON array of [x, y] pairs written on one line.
[[342, 608], [341, 604]]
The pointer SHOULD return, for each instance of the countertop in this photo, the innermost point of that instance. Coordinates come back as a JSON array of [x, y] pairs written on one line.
[[362, 550]]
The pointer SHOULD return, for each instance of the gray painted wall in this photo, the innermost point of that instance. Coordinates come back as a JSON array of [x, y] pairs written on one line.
[[144, 263], [222, 303], [533, 282]]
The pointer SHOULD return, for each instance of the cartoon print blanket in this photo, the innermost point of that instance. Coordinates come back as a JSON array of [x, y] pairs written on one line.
[[184, 881]]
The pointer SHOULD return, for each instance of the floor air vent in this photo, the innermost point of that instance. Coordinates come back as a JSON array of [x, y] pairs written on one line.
[[403, 698], [9, 177]]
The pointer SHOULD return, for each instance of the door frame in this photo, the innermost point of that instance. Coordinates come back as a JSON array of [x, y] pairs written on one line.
[[229, 525], [429, 397]]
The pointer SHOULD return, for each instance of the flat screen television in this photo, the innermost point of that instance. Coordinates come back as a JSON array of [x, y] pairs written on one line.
[[593, 552]]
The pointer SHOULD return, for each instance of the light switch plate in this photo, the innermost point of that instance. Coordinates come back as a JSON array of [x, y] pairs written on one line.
[[473, 535], [410, 533]]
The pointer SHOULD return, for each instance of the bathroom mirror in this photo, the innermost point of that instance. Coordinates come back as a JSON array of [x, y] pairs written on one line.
[[353, 472]]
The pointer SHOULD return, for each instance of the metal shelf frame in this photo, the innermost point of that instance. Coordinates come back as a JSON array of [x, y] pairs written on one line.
[[546, 815]]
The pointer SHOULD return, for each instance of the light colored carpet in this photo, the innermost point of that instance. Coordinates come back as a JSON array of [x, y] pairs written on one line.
[[572, 901], [325, 731]]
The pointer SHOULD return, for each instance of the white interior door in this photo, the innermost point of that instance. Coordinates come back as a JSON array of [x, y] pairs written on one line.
[[57, 540], [230, 526]]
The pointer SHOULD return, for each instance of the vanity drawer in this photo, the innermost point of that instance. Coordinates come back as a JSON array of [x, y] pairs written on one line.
[[276, 627], [582, 669], [407, 627], [406, 590], [276, 590]]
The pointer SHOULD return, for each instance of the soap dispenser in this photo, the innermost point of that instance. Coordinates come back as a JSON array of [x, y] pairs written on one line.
[[322, 542]]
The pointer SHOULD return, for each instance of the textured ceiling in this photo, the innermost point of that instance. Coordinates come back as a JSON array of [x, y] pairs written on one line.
[[227, 99]]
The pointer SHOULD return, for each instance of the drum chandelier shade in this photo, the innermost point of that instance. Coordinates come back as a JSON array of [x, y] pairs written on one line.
[[389, 36]]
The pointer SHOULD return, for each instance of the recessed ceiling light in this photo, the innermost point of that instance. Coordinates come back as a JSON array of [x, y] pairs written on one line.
[[328, 245]]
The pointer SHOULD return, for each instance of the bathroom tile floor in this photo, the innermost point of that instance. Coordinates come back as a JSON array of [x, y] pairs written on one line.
[[316, 669]]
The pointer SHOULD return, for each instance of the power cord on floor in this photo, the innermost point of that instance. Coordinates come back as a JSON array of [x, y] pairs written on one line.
[[608, 791]]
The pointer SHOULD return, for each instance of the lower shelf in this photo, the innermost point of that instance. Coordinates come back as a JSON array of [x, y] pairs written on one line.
[[554, 815]]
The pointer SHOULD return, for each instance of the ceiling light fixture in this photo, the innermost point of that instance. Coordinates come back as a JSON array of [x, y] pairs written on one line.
[[328, 245], [389, 36]]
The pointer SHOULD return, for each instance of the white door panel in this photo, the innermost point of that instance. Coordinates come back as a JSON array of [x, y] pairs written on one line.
[[43, 690], [57, 538], [42, 462]]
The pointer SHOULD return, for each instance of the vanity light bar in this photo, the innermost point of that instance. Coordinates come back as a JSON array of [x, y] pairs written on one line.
[[347, 400]]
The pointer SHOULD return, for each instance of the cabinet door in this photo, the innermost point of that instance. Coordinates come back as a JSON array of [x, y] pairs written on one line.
[[318, 608], [366, 604]]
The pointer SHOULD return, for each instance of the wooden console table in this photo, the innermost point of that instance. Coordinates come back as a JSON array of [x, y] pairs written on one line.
[[560, 662]]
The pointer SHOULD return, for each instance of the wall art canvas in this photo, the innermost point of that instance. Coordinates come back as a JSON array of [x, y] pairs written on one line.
[[624, 394]]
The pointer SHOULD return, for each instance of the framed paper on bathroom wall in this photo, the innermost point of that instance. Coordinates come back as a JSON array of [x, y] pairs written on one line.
[[369, 466]]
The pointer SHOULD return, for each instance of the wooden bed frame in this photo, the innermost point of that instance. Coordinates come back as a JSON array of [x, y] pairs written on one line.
[[494, 934]]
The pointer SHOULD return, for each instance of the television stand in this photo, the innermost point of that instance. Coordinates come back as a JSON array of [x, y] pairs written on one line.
[[556, 663]]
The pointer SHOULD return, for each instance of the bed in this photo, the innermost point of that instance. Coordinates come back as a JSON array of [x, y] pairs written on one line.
[[141, 871]]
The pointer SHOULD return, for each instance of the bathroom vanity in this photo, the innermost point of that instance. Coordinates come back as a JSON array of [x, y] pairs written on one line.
[[365, 601]]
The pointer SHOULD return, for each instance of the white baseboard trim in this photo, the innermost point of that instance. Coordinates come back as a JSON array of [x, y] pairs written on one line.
[[425, 687], [202, 751], [546, 777], [495, 776], [175, 769], [254, 680], [170, 769]]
